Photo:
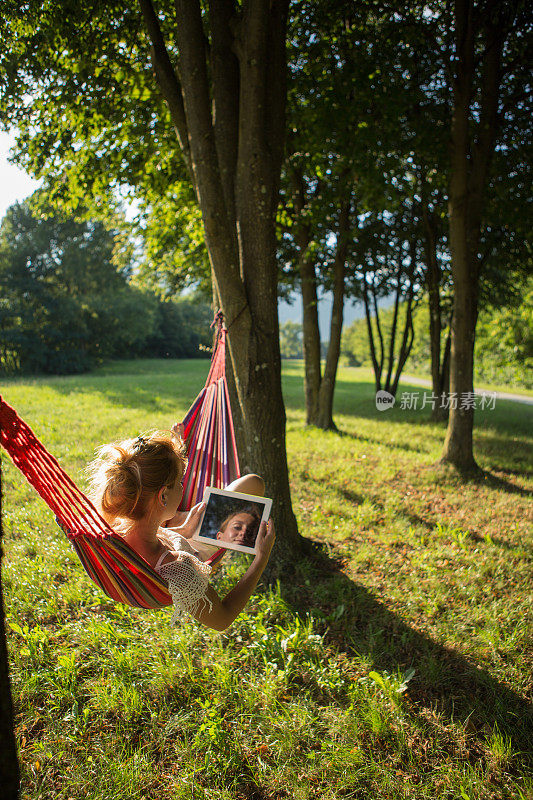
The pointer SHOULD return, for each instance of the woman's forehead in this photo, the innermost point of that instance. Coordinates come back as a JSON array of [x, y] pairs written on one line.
[[241, 514]]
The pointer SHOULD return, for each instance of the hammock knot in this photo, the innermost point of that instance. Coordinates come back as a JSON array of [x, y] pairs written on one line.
[[218, 320]]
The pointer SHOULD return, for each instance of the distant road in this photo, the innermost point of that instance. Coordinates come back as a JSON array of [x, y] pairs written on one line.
[[518, 398]]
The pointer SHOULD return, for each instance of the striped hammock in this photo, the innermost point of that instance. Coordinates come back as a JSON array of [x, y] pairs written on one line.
[[109, 561]]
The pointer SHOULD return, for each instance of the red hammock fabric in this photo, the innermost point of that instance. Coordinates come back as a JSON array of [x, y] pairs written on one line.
[[209, 433], [111, 563]]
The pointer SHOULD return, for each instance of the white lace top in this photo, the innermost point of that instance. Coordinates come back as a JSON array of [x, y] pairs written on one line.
[[187, 577]]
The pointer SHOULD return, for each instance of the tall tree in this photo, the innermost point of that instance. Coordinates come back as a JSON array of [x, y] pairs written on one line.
[[438, 290], [322, 213], [485, 69], [467, 66], [220, 69], [228, 109]]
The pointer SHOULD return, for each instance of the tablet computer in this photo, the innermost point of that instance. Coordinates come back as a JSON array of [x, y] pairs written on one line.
[[232, 519]]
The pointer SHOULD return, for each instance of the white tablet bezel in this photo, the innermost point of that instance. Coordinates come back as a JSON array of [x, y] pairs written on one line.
[[251, 498]]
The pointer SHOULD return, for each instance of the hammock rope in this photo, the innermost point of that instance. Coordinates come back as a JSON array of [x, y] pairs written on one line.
[[107, 558]]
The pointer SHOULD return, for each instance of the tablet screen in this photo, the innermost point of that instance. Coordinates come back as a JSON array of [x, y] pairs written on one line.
[[232, 519]]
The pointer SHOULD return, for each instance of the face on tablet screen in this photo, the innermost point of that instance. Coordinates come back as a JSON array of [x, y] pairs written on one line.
[[240, 527], [232, 521]]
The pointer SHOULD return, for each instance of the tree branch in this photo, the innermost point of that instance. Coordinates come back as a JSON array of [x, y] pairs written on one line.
[[225, 78], [166, 78], [483, 148], [219, 225]]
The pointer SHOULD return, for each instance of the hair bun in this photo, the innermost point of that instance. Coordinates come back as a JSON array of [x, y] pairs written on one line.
[[123, 485]]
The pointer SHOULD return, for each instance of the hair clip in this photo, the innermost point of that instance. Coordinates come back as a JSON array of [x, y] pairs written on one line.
[[138, 443]]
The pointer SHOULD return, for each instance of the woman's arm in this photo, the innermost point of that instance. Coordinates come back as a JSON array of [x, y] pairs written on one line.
[[223, 612]]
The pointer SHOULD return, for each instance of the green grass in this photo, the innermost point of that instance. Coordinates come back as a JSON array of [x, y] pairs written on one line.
[[395, 665]]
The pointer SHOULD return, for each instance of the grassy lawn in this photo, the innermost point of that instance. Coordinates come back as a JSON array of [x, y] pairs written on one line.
[[397, 664]]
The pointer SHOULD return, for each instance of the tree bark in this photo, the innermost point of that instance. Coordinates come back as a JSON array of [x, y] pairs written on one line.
[[234, 113], [311, 337], [378, 328], [324, 418], [433, 280], [377, 366], [9, 766], [458, 445], [445, 372], [407, 340], [470, 160], [308, 282], [392, 339]]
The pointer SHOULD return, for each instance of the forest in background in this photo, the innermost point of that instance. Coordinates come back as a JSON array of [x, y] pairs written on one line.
[[70, 298]]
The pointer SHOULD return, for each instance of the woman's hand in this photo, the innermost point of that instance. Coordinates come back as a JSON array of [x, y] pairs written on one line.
[[187, 528], [266, 537]]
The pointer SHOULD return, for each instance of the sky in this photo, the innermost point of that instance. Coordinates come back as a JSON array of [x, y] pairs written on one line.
[[16, 185]]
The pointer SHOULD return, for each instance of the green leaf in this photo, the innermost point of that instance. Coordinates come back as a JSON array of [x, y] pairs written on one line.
[[377, 678]]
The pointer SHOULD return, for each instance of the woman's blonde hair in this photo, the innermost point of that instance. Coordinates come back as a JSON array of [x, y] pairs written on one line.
[[126, 476]]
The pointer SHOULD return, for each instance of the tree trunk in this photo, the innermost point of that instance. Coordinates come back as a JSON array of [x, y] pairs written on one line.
[[470, 160], [445, 371], [228, 105], [9, 766], [378, 328], [324, 418], [458, 444], [433, 278], [408, 330], [392, 339], [257, 364], [308, 281], [376, 366], [311, 337]]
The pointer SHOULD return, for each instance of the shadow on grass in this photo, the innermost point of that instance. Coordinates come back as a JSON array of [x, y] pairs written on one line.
[[495, 482], [445, 683], [506, 454], [414, 519], [485, 447], [524, 473], [393, 445], [150, 384], [357, 499]]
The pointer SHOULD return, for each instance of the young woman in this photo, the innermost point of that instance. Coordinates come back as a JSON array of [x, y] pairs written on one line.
[[136, 485]]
